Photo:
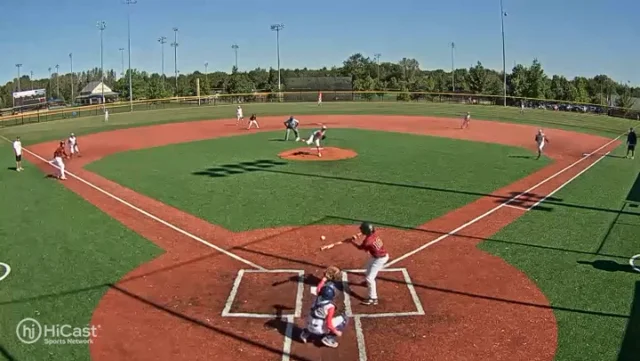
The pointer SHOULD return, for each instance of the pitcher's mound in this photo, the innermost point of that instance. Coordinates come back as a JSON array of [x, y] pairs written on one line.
[[310, 153]]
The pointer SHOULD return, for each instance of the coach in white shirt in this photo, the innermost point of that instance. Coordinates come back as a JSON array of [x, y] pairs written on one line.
[[17, 149]]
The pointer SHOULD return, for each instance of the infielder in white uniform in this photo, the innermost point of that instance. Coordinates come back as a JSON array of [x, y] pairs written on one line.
[[315, 138], [106, 115], [541, 140], [373, 245], [322, 319], [239, 115], [73, 145]]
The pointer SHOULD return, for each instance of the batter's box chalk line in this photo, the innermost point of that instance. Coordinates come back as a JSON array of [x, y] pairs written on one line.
[[407, 279], [226, 312]]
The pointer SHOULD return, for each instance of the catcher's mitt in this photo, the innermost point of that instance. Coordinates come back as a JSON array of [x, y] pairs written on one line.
[[333, 273]]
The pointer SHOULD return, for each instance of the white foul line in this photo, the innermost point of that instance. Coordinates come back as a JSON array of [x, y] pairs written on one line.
[[632, 262], [175, 228], [491, 211], [7, 270], [567, 182]]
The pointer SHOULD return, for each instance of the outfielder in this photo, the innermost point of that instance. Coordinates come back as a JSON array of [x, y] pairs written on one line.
[[632, 140], [541, 140], [239, 115], [73, 145], [17, 150], [315, 138], [106, 115], [57, 159], [291, 124], [322, 319], [379, 257]]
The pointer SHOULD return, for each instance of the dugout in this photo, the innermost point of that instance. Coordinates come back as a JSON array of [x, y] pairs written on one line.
[[306, 89]]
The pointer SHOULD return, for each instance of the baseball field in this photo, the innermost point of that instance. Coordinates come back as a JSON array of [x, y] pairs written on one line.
[[179, 235]]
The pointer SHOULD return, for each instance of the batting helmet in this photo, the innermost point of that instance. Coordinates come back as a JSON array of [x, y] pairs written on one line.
[[328, 291], [367, 228]]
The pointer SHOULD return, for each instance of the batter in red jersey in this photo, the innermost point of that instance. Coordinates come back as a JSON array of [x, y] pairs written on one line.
[[373, 245], [58, 154]]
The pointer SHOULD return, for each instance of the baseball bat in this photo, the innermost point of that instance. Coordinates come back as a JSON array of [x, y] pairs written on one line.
[[328, 246]]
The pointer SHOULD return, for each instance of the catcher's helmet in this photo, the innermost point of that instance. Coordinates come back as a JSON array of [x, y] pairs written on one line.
[[328, 291], [367, 228]]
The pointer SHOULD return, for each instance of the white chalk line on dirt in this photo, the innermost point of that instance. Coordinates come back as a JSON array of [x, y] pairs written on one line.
[[511, 200], [142, 211]]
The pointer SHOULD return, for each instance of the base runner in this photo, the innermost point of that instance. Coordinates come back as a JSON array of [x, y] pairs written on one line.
[[73, 145], [373, 245], [541, 140], [315, 138], [322, 320], [58, 154], [239, 115]]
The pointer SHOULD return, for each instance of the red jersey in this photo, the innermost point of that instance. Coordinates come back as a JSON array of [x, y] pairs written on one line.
[[59, 152], [374, 245]]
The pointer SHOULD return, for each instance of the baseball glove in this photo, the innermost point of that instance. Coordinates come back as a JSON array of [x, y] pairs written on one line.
[[333, 273], [324, 137]]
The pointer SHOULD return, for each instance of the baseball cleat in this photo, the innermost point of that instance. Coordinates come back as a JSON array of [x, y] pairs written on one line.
[[304, 336], [329, 342], [297, 139], [370, 302]]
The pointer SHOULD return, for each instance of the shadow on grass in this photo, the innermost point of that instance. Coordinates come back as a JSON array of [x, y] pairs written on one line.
[[5, 353], [268, 165], [610, 266], [630, 349], [634, 192]]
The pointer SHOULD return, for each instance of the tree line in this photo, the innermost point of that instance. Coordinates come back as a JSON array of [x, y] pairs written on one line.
[[367, 74]]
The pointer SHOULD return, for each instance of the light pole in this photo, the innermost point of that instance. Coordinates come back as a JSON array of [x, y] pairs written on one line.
[[19, 66], [58, 80], [71, 63], [50, 80], [129, 3], [277, 28], [504, 58], [206, 66], [175, 55], [235, 48], [453, 69], [162, 40], [102, 25], [122, 61], [31, 79]]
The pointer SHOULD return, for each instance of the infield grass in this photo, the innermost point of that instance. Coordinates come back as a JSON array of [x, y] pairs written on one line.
[[63, 252], [241, 184], [578, 254]]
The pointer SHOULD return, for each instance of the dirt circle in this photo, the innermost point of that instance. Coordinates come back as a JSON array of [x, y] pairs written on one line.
[[310, 153]]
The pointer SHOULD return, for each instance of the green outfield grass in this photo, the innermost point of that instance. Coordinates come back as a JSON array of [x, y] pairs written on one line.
[[241, 184], [588, 123], [63, 253], [578, 254]]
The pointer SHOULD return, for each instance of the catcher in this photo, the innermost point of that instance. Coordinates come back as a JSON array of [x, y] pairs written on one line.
[[322, 320]]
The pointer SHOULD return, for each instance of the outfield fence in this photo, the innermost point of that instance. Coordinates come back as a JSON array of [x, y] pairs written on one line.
[[327, 96]]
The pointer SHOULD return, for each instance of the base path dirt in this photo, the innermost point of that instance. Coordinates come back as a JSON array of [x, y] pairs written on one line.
[[325, 154], [210, 295]]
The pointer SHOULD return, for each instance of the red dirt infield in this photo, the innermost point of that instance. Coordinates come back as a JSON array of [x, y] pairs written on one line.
[[238, 296], [311, 154]]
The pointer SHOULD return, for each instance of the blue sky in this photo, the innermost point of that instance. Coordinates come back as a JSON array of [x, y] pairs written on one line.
[[569, 37]]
